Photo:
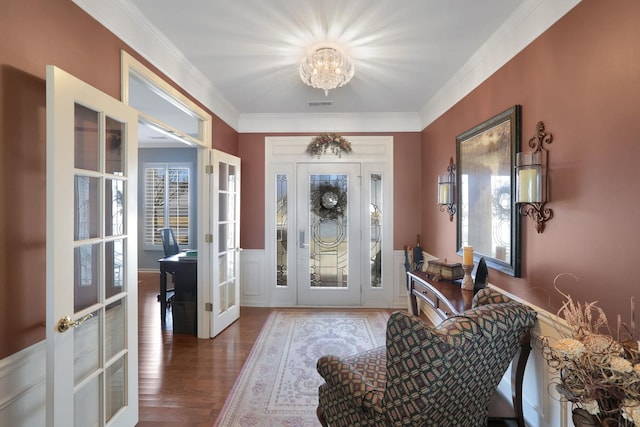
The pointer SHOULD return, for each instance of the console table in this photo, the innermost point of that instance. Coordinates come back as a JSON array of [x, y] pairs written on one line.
[[445, 299]]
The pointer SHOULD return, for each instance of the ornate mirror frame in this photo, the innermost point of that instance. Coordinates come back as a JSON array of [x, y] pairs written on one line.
[[488, 218]]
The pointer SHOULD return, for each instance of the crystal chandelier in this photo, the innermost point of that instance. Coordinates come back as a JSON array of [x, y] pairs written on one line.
[[326, 68]]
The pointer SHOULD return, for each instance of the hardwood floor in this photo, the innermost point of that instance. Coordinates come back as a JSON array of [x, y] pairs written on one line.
[[183, 380]]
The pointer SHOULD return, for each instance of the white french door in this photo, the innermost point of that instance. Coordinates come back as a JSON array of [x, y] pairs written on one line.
[[329, 234], [92, 349], [225, 208]]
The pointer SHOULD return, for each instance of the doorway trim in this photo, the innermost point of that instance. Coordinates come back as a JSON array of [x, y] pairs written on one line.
[[203, 142], [282, 154]]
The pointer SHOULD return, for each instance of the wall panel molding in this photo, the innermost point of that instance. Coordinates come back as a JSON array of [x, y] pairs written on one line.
[[22, 387], [253, 286]]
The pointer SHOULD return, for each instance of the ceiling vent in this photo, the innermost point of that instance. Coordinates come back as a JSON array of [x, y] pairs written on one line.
[[320, 103]]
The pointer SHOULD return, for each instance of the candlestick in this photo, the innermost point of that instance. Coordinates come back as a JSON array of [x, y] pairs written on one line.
[[467, 297], [467, 281]]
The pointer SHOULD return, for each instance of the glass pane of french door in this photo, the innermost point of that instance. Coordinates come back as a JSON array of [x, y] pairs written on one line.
[[329, 216], [99, 223]]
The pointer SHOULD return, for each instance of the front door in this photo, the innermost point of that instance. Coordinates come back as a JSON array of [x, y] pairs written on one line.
[[329, 234], [92, 349], [226, 240]]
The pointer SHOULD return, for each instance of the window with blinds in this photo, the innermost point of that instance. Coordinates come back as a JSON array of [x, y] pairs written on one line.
[[166, 202]]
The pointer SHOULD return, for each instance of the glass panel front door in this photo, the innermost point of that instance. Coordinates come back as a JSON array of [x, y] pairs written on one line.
[[329, 215]]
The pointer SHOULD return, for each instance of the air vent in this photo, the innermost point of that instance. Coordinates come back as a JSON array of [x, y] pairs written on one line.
[[320, 103]]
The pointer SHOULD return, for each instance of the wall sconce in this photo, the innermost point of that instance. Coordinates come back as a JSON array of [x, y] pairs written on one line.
[[447, 190], [532, 192]]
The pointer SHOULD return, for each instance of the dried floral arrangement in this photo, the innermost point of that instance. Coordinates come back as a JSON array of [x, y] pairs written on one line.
[[598, 373], [328, 142]]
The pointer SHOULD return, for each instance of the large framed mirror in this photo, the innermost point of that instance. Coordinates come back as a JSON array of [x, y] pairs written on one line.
[[487, 218]]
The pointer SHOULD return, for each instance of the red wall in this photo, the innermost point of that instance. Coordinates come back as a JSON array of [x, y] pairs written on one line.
[[582, 79], [33, 34], [251, 151], [407, 182]]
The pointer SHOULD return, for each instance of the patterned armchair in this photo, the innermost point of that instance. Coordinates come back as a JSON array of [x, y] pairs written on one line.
[[426, 376]]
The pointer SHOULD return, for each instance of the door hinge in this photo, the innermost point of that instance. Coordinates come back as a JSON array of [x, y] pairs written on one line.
[[208, 238], [208, 306], [208, 169]]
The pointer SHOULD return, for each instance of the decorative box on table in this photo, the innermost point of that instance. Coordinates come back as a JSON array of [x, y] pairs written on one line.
[[442, 270]]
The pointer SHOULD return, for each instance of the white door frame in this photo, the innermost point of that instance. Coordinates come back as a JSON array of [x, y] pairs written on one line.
[[375, 153], [204, 288]]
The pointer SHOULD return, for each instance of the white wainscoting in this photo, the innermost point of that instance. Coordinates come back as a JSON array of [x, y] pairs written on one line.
[[22, 375], [257, 289], [22, 387], [541, 403], [254, 281], [400, 295]]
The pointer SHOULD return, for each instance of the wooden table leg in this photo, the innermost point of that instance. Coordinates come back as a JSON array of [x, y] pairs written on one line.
[[163, 296]]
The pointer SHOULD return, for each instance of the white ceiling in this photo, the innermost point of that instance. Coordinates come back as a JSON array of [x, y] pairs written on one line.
[[403, 50], [241, 57]]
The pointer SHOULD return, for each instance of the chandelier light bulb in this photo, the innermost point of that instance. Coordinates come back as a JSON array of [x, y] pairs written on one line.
[[326, 68]]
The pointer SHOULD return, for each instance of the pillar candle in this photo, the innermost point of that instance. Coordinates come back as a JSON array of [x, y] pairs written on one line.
[[467, 255], [444, 194], [528, 181]]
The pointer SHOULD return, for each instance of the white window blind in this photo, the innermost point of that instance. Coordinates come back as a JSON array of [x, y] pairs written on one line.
[[166, 201]]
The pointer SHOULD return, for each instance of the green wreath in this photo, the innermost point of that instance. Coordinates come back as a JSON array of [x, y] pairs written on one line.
[[329, 201]]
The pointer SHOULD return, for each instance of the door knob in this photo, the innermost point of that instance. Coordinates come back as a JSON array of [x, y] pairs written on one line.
[[66, 323]]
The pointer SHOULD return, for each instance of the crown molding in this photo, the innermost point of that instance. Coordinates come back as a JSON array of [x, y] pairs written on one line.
[[336, 122], [531, 19], [125, 20]]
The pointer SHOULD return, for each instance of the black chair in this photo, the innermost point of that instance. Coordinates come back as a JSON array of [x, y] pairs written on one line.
[[170, 246], [169, 242], [482, 276]]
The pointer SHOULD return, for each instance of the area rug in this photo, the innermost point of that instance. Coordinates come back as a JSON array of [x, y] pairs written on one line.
[[278, 385]]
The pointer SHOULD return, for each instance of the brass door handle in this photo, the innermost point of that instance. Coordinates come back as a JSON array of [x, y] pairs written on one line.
[[67, 323]]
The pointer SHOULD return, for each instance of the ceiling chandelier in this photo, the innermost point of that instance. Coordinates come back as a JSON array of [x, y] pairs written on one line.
[[326, 68]]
